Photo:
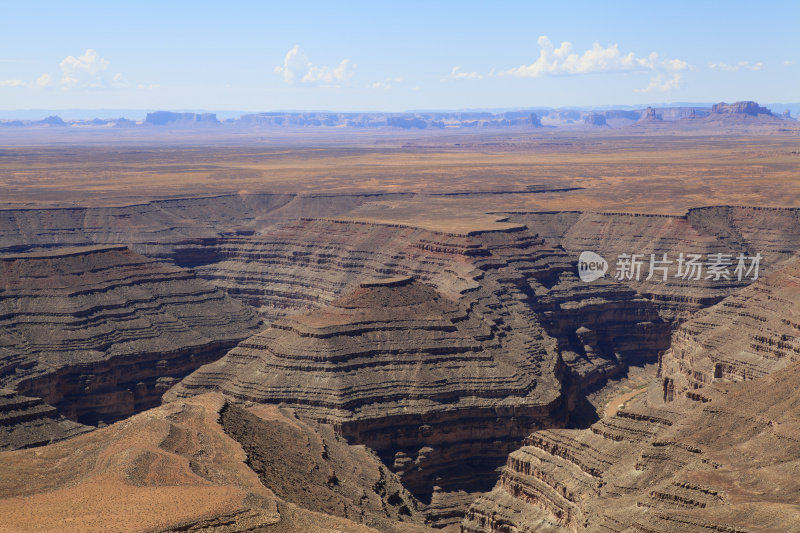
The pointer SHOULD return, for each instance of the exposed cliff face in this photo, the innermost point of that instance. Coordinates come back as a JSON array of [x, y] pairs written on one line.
[[659, 468], [230, 469], [435, 380], [773, 233], [261, 249], [304, 265], [709, 446], [100, 333], [27, 422], [426, 382], [746, 336], [153, 228], [740, 108]]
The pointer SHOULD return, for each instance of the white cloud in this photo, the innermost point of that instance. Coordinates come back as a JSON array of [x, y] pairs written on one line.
[[560, 61], [455, 74], [788, 62], [298, 69], [741, 65], [87, 70], [44, 80], [388, 83], [662, 83]]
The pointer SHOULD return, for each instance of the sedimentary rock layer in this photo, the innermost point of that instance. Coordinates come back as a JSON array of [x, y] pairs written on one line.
[[746, 336], [245, 241], [129, 476], [449, 370], [659, 468], [101, 333], [772, 233], [26, 422], [711, 445]]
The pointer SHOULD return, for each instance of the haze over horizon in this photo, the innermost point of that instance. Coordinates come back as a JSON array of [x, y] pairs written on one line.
[[365, 57]]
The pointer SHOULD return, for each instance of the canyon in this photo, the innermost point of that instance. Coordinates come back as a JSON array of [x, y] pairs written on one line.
[[400, 360]]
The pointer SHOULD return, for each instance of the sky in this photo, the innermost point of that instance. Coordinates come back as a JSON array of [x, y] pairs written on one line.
[[394, 56]]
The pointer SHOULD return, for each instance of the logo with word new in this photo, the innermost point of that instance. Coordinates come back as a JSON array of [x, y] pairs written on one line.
[[591, 266]]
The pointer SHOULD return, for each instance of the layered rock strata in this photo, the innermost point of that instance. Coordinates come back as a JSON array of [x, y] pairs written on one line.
[[426, 382], [746, 336], [771, 232], [709, 446], [100, 333], [443, 384], [210, 457], [676, 468], [27, 422]]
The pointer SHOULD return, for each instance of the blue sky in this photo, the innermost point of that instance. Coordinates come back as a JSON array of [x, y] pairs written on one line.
[[392, 56]]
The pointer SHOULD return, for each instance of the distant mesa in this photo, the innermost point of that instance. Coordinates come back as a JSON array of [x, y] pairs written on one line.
[[162, 118], [53, 120], [411, 123], [534, 121], [740, 108], [787, 114], [650, 115], [595, 119]]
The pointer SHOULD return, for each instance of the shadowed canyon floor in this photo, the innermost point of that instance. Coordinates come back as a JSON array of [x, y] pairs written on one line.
[[393, 336]]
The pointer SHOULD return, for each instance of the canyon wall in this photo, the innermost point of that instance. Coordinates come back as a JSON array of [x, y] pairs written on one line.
[[444, 371], [709, 446], [101, 332]]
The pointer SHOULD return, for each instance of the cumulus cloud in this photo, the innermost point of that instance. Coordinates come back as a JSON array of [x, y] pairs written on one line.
[[44, 80], [87, 70], [741, 65], [456, 74], [662, 83], [388, 83], [561, 61], [298, 69]]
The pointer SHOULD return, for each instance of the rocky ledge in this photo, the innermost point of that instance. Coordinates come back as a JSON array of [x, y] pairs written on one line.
[[101, 332]]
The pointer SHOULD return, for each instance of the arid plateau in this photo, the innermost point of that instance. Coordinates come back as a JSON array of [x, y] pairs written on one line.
[[372, 323]]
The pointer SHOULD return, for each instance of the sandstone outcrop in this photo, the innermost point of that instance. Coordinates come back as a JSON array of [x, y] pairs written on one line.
[[740, 108], [708, 446], [495, 337], [27, 422], [101, 333], [650, 115], [211, 458], [771, 232], [746, 336], [595, 119], [426, 382], [660, 468]]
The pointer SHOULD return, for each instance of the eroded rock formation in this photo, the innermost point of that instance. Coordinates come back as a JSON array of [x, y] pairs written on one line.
[[771, 232], [27, 422], [740, 108], [659, 468], [204, 455], [101, 333], [444, 383], [746, 336], [709, 446]]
